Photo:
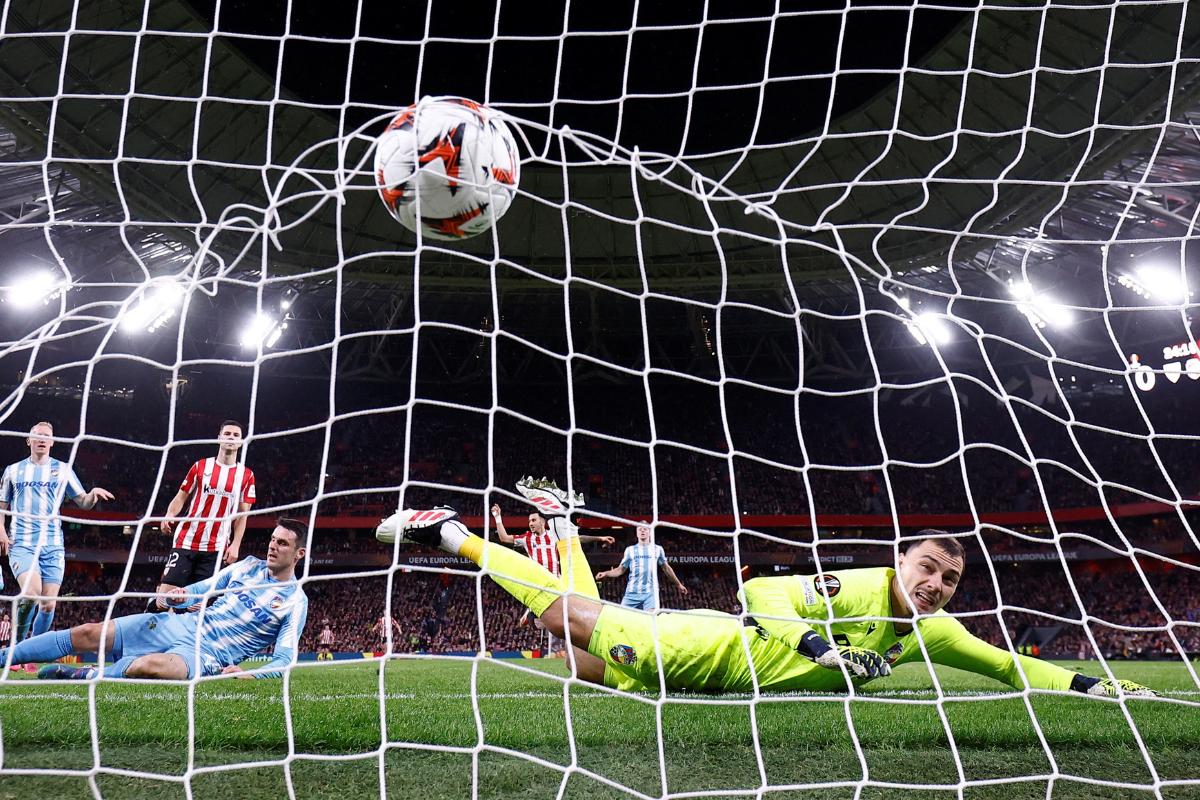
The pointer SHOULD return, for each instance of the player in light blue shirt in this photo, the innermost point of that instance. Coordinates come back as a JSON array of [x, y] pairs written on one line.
[[642, 561], [256, 605], [32, 491]]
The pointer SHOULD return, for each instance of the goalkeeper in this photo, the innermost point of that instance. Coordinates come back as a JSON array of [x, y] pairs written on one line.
[[809, 633]]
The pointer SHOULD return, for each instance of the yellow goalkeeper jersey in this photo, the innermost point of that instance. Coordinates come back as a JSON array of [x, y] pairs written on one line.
[[709, 651]]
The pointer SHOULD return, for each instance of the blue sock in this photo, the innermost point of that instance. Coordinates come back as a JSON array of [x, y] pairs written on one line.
[[42, 621], [46, 647], [117, 669]]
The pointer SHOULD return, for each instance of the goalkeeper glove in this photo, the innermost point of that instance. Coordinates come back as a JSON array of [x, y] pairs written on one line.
[[860, 662], [1106, 687]]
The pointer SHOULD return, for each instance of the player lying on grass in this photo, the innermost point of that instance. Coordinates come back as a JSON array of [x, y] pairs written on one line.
[[256, 604], [709, 651]]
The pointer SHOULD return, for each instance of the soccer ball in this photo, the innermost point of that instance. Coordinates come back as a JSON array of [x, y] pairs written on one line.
[[448, 165]]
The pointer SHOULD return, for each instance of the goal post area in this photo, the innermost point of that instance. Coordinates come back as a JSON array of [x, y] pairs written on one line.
[[790, 284]]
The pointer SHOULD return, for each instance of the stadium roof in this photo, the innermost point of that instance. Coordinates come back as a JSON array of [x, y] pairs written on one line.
[[1069, 126]]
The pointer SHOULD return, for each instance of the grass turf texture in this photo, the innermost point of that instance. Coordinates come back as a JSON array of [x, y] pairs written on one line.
[[241, 728]]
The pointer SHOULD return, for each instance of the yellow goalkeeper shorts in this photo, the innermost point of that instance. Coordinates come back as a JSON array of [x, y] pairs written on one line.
[[701, 651]]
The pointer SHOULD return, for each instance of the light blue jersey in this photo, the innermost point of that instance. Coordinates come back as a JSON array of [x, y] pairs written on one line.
[[34, 493], [641, 561], [252, 611]]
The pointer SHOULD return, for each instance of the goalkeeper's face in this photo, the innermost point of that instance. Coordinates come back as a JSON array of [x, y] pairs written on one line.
[[928, 577]]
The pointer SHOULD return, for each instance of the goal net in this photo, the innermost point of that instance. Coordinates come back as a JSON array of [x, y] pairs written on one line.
[[787, 283]]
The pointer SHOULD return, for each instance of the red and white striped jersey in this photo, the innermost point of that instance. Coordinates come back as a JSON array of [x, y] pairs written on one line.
[[217, 490], [385, 622], [326, 636], [541, 547], [5, 629]]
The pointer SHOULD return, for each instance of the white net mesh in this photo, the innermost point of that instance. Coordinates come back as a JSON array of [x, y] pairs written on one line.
[[790, 283]]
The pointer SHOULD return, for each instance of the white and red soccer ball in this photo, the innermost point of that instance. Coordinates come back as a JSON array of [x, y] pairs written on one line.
[[448, 166]]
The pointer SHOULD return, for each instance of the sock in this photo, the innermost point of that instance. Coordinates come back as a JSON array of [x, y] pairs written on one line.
[[577, 572], [47, 647], [504, 563], [453, 533], [25, 609], [42, 620], [117, 668], [562, 528]]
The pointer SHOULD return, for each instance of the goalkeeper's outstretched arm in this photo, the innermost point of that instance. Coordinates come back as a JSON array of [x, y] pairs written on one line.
[[951, 644]]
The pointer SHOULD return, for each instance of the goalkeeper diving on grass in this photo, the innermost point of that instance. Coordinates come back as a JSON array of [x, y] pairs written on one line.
[[793, 642]]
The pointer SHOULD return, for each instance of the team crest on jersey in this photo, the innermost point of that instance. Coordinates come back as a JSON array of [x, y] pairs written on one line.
[[623, 654], [894, 652], [152, 624], [276, 604], [827, 585]]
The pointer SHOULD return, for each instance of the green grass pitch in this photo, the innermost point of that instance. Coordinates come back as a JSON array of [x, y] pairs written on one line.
[[517, 741]]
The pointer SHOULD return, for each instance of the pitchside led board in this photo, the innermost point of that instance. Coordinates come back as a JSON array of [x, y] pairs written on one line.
[[1178, 360]]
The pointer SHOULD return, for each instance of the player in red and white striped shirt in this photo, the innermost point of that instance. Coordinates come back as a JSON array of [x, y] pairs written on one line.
[[539, 543], [219, 488]]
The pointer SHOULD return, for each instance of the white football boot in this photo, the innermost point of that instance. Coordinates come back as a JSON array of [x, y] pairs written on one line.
[[415, 525], [547, 498]]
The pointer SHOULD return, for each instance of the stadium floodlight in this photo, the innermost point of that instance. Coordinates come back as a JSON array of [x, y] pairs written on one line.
[[288, 299], [35, 288], [929, 327], [1132, 284], [154, 308], [1155, 282], [273, 338], [1041, 310], [264, 329]]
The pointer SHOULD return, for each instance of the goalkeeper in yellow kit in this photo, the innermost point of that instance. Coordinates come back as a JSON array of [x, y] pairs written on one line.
[[807, 632]]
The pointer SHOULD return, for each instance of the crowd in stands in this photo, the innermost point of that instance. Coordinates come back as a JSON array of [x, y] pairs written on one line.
[[356, 465], [759, 465]]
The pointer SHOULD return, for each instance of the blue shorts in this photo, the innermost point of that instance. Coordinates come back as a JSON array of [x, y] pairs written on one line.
[[165, 632], [48, 560], [646, 602]]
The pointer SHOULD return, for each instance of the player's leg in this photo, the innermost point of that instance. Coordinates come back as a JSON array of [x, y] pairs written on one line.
[[174, 576], [52, 563], [576, 571], [126, 640], [53, 645], [588, 667], [526, 580], [163, 666], [43, 617], [24, 563]]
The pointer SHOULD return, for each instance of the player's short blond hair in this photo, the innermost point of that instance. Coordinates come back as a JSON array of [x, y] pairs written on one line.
[[40, 424]]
